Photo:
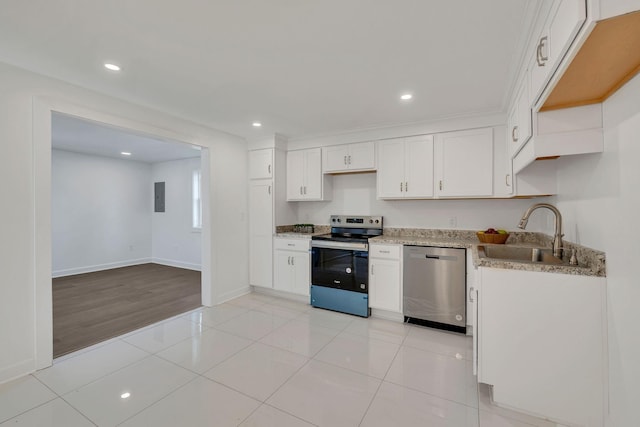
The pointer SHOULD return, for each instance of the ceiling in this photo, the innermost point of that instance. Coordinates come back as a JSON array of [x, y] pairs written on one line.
[[83, 136], [300, 67]]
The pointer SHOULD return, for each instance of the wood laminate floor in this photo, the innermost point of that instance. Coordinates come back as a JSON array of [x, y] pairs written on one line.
[[93, 307]]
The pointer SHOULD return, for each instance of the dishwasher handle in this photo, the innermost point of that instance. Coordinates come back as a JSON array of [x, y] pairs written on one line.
[[435, 257]]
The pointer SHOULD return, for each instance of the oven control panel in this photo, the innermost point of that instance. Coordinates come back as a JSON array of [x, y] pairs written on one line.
[[347, 221]]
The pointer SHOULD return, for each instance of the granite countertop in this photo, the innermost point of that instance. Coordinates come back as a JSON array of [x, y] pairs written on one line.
[[294, 235], [286, 231], [590, 261], [451, 242]]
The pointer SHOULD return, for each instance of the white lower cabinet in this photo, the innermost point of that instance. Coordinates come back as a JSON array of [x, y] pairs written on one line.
[[385, 277], [542, 343], [292, 265]]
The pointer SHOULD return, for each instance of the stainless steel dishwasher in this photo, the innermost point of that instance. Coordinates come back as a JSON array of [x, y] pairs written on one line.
[[434, 287]]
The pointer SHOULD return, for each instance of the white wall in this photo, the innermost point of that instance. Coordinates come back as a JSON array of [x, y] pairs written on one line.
[[599, 197], [174, 242], [99, 212], [355, 194], [26, 100]]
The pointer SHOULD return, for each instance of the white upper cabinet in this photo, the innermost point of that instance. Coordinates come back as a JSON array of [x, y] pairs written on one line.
[[362, 156], [349, 158], [520, 129], [304, 175], [561, 28], [296, 170], [464, 163], [261, 164], [405, 168], [391, 170], [503, 180]]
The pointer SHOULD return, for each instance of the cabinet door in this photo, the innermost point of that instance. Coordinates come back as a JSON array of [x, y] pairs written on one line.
[[313, 175], [260, 233], [390, 176], [384, 285], [512, 129], [562, 26], [260, 261], [524, 117], [335, 158], [295, 174], [301, 273], [465, 161], [261, 164], [418, 153], [536, 331], [502, 179], [283, 271], [362, 156], [539, 66]]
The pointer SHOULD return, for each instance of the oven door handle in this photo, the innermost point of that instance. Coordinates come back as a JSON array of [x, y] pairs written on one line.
[[339, 245]]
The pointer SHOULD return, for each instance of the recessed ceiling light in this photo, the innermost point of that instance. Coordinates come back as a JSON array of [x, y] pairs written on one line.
[[112, 67], [125, 153], [406, 97], [125, 395], [256, 124]]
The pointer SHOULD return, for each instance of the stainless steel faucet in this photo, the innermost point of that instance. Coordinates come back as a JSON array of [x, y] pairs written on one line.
[[557, 237]]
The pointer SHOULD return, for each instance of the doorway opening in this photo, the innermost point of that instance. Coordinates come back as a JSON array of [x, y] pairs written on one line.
[[126, 224]]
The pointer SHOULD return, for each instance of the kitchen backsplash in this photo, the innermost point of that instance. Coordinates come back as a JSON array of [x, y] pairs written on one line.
[[355, 194]]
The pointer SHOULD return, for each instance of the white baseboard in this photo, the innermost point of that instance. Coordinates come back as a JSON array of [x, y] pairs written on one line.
[[228, 296], [179, 264], [99, 267], [17, 370]]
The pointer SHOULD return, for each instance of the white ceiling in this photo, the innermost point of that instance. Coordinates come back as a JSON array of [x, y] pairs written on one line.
[[301, 67], [83, 136]]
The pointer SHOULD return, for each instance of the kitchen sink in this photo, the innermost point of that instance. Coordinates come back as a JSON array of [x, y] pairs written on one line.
[[519, 254]]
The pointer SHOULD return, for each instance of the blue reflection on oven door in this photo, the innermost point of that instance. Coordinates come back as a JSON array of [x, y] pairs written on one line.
[[340, 300]]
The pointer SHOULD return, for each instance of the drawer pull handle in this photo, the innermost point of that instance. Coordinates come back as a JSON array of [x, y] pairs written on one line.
[[385, 252]]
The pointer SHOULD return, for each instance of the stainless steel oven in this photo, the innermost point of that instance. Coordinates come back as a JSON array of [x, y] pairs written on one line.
[[339, 264]]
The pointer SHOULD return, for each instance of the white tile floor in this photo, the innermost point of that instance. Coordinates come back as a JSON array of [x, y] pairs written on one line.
[[262, 361]]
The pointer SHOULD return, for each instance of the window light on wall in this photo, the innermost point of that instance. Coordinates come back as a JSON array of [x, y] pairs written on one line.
[[196, 197]]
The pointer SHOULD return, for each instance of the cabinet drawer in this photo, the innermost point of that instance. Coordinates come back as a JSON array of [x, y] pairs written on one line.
[[291, 244], [384, 251]]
